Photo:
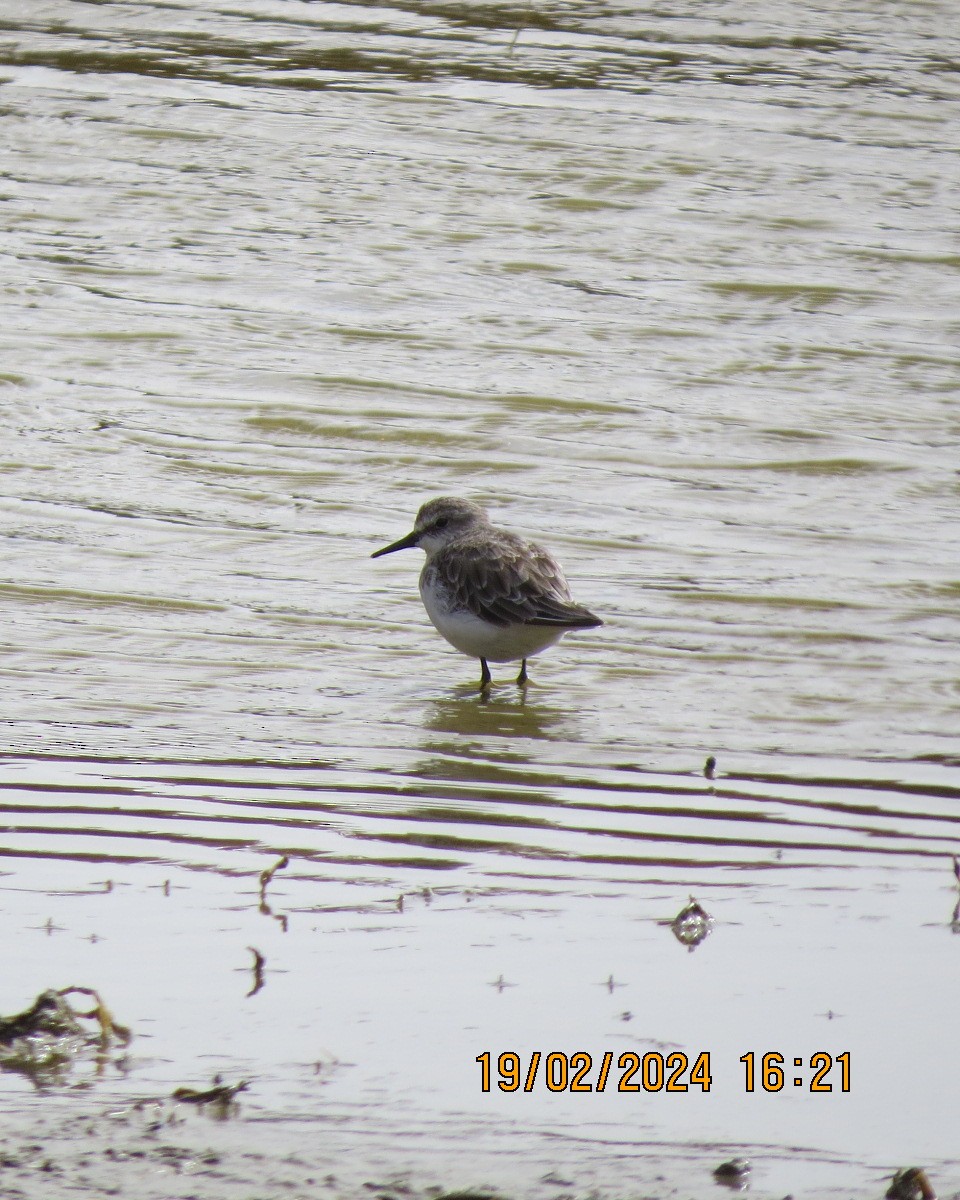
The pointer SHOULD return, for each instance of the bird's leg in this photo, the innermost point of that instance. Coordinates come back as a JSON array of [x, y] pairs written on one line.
[[484, 675], [523, 678]]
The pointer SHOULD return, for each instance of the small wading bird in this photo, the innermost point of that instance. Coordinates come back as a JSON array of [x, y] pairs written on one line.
[[488, 592]]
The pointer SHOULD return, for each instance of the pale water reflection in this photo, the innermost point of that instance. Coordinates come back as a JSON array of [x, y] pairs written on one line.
[[463, 726], [674, 291]]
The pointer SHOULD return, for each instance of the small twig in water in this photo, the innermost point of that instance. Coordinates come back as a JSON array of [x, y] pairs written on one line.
[[220, 1093], [104, 1018], [258, 964], [268, 874]]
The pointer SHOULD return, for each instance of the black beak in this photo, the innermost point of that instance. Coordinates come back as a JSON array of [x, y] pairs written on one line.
[[405, 542]]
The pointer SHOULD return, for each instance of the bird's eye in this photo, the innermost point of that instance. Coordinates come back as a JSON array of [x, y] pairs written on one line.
[[441, 522]]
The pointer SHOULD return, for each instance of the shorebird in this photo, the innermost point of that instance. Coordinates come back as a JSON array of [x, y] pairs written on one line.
[[491, 594]]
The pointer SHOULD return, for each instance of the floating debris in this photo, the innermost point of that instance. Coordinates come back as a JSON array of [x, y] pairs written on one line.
[[911, 1183], [220, 1096], [258, 964], [268, 874], [109, 1028], [265, 877], [734, 1174], [710, 767], [468, 1195], [691, 924], [46, 1039], [51, 1014]]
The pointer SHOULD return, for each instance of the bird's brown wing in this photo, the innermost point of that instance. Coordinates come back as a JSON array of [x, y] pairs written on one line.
[[507, 581]]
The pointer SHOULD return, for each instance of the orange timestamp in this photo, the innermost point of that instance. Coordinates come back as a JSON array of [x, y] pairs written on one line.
[[772, 1076], [656, 1072], [578, 1072]]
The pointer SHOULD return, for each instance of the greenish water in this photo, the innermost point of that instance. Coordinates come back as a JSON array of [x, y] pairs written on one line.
[[673, 291]]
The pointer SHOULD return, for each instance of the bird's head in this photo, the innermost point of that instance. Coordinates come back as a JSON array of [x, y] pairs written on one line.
[[439, 522]]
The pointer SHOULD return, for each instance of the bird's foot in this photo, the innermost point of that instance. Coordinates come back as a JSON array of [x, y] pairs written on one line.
[[523, 678]]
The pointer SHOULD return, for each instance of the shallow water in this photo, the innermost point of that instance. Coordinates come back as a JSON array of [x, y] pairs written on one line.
[[672, 290]]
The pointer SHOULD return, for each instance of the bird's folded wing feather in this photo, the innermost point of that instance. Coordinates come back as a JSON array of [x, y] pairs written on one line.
[[518, 583]]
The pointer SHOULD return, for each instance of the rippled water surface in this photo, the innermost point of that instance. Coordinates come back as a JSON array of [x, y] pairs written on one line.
[[675, 290]]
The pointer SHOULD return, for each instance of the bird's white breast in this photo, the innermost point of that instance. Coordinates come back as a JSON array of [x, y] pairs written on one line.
[[472, 635]]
